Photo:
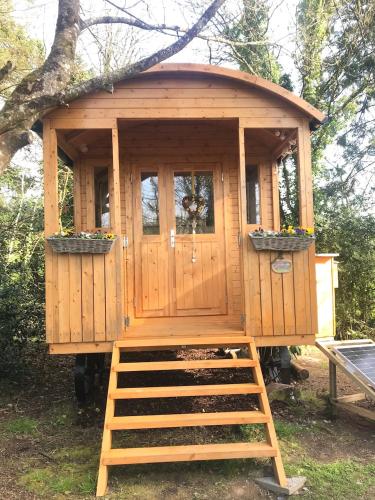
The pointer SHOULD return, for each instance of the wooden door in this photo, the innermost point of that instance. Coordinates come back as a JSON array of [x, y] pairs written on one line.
[[179, 246], [150, 243], [197, 255]]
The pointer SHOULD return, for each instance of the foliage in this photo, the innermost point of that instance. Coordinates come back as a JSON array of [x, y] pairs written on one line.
[[335, 67], [16, 45], [22, 425], [250, 46], [22, 257], [253, 26], [336, 63], [21, 263], [286, 231], [329, 481], [352, 236], [83, 235]]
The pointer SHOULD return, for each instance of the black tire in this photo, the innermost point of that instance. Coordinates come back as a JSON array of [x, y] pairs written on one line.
[[88, 374]]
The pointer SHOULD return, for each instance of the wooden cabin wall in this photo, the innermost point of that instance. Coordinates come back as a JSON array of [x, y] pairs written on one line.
[[278, 306], [83, 291], [191, 144], [281, 308]]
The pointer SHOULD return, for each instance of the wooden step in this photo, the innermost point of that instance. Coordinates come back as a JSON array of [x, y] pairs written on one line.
[[187, 420], [185, 390], [225, 341], [187, 453], [184, 365]]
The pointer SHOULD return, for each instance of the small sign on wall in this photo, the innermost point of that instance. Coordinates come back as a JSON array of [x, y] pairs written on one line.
[[281, 266]]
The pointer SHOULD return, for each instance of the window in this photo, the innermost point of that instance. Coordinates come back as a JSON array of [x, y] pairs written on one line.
[[150, 202], [252, 194], [102, 218], [194, 202]]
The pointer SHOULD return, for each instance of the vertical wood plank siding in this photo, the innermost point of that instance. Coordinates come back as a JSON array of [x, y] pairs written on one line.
[[284, 304], [84, 298]]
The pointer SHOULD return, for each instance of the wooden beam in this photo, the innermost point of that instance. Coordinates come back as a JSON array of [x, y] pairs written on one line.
[[51, 225], [357, 410], [332, 380], [77, 202], [279, 123], [83, 123], [281, 340], [80, 348], [243, 223], [281, 148], [115, 210], [275, 197], [51, 200], [69, 149], [116, 207]]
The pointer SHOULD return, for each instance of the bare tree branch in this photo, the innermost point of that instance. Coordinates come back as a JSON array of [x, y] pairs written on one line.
[[137, 23], [171, 30], [5, 70], [48, 86], [147, 62]]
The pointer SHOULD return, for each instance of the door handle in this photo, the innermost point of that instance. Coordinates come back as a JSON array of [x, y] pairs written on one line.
[[173, 239]]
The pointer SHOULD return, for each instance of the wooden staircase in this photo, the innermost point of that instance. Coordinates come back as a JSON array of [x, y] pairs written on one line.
[[110, 456]]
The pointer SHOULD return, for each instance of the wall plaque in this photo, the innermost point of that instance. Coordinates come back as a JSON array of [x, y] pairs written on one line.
[[281, 266]]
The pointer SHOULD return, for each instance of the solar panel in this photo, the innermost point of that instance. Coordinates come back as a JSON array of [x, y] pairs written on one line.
[[360, 359]]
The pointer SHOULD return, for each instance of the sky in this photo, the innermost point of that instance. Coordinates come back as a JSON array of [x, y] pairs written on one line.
[[39, 16]]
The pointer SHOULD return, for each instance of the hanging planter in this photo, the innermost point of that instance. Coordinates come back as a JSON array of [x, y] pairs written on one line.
[[287, 240], [67, 242]]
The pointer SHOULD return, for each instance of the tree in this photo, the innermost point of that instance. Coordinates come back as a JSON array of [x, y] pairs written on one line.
[[50, 84], [252, 25], [334, 67], [15, 45]]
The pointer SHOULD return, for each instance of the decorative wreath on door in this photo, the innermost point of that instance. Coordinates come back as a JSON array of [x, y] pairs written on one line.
[[194, 205]]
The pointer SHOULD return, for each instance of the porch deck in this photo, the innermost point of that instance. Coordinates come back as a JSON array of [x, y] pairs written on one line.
[[198, 326]]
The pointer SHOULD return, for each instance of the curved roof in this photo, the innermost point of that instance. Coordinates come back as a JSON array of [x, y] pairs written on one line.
[[240, 76]]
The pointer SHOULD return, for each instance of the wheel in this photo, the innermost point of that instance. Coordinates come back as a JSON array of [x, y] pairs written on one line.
[[88, 374]]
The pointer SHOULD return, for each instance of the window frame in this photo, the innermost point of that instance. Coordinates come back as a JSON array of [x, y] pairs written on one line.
[[256, 165]]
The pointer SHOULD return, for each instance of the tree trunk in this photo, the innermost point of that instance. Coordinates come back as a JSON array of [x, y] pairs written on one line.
[[48, 86]]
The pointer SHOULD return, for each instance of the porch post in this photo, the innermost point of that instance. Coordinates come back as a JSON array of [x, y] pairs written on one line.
[[51, 225], [116, 227], [306, 211], [243, 238]]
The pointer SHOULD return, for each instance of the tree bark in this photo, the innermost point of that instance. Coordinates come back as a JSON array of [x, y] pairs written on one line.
[[48, 86]]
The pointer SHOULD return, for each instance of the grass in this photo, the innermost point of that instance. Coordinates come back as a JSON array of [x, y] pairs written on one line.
[[73, 472], [66, 480], [22, 426], [62, 461], [335, 480]]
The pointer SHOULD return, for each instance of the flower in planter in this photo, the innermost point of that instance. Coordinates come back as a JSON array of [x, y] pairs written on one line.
[[286, 232], [83, 235]]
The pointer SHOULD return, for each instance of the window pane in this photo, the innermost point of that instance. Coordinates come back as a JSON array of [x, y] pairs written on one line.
[[150, 203], [194, 202], [102, 218], [252, 195]]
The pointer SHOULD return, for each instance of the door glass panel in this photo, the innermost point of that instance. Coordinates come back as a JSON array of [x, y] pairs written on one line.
[[150, 202], [101, 197], [194, 202]]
